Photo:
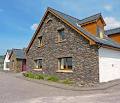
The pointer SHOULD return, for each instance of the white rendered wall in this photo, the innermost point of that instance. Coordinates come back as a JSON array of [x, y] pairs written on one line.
[[109, 64], [5, 61]]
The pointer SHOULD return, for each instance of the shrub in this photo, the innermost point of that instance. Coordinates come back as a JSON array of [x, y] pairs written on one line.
[[66, 81], [39, 76], [53, 78], [47, 77], [25, 74], [34, 76], [30, 75]]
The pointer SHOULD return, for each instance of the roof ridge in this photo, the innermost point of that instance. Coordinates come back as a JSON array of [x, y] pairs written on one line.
[[112, 29], [91, 16], [49, 8], [16, 49]]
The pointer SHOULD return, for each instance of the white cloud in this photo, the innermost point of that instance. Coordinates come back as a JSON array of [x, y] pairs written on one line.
[[111, 22], [108, 7], [34, 26]]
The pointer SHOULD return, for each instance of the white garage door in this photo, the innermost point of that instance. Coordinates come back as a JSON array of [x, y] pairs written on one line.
[[109, 64]]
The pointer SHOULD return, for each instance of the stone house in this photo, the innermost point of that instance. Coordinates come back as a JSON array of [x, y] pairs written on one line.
[[71, 48], [114, 34], [17, 60]]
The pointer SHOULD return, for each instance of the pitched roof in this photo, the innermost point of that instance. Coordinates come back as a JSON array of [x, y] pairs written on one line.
[[90, 18], [106, 41], [112, 31], [20, 53], [75, 23]]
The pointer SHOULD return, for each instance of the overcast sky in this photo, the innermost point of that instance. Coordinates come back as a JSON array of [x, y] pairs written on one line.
[[19, 18]]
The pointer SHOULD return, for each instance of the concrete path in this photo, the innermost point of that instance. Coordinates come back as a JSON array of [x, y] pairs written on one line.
[[15, 90]]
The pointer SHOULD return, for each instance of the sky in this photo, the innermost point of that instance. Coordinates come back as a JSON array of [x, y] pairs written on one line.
[[20, 18]]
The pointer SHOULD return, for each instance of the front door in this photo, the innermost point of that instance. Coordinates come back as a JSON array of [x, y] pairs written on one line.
[[24, 65]]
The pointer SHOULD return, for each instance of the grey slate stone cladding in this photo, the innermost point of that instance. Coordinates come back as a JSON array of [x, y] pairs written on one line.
[[85, 61]]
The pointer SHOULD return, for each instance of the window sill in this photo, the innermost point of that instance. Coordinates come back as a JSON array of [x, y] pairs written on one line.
[[64, 71], [37, 69], [41, 46], [61, 41]]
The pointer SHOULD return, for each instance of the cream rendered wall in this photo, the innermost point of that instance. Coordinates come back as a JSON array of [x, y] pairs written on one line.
[[109, 64], [6, 61]]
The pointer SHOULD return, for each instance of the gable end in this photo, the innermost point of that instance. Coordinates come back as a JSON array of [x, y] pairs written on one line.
[[43, 20]]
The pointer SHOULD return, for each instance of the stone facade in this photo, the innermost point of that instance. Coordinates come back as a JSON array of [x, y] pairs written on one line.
[[16, 64], [84, 56]]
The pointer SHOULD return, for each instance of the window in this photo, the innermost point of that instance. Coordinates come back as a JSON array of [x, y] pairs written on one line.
[[7, 64], [38, 64], [100, 32], [61, 35], [40, 41], [65, 63], [49, 20]]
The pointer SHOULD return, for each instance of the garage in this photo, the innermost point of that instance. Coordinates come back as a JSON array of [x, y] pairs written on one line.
[[109, 64]]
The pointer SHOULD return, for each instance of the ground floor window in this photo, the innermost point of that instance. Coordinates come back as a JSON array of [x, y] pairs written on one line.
[[38, 64], [7, 64], [65, 63]]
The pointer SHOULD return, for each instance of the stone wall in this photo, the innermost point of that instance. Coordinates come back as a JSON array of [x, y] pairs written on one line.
[[84, 57], [17, 66], [13, 62]]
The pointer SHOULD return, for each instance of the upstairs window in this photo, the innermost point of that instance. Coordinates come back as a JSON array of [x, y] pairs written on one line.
[[38, 64], [65, 63], [40, 41], [100, 32], [61, 35], [49, 20]]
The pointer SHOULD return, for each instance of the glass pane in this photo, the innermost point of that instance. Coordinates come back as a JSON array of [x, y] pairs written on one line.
[[7, 65], [40, 40], [101, 32], [38, 63], [65, 62], [62, 64], [69, 63], [59, 63], [61, 33]]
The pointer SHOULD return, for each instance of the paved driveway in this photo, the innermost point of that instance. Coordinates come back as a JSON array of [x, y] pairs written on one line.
[[15, 90]]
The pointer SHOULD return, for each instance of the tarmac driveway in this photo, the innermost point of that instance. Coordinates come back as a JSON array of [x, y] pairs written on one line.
[[15, 90]]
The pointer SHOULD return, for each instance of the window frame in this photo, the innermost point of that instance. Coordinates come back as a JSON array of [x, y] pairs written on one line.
[[100, 32], [63, 63], [61, 34], [38, 64], [7, 64], [40, 43]]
